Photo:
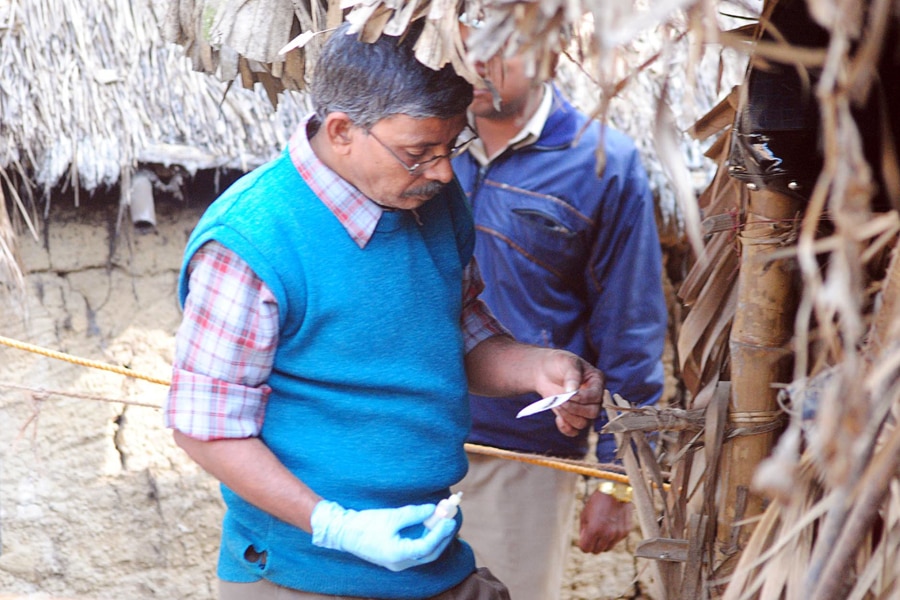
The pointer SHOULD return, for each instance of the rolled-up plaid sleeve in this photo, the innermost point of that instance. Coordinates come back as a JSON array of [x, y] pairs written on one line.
[[478, 322], [224, 349]]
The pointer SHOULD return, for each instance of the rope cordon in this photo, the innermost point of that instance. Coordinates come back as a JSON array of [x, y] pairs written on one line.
[[571, 466]]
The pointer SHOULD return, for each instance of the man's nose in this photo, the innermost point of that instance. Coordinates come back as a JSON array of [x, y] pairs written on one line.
[[440, 170]]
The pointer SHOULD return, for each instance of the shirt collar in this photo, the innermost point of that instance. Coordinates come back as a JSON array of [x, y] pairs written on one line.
[[353, 209], [528, 135]]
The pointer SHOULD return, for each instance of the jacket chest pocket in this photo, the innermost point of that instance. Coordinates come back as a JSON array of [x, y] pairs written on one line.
[[544, 230]]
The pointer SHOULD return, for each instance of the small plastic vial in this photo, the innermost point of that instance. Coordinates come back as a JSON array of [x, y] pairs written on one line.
[[446, 509]]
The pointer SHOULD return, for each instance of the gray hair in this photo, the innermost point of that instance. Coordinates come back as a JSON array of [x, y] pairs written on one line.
[[371, 81]]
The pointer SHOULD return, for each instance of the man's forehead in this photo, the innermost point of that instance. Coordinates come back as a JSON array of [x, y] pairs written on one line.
[[430, 130]]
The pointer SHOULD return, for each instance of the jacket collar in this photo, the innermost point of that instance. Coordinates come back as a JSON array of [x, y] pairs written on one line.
[[561, 126]]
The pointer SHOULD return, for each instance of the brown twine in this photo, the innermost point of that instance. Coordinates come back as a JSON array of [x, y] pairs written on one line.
[[561, 464], [754, 422], [46, 392], [754, 416], [767, 231]]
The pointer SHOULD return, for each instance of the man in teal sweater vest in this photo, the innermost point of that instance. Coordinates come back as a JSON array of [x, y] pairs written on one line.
[[332, 329]]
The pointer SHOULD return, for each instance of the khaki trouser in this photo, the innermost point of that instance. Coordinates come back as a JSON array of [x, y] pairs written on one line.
[[518, 519], [480, 585]]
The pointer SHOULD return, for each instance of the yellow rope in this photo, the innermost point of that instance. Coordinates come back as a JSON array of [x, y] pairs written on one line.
[[535, 459], [79, 361], [544, 461]]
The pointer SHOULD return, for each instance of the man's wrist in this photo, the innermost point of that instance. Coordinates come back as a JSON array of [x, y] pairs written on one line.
[[322, 522], [620, 491]]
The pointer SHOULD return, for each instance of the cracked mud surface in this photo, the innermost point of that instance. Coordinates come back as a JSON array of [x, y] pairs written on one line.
[[95, 500]]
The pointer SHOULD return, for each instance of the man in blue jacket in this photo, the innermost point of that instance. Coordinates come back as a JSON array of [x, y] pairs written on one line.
[[570, 259]]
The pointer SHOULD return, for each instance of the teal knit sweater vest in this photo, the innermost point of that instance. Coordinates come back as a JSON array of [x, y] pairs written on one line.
[[368, 404]]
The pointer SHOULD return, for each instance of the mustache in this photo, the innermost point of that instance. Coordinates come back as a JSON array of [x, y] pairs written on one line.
[[426, 190]]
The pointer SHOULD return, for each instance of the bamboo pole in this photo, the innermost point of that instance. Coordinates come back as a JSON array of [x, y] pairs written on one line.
[[768, 295]]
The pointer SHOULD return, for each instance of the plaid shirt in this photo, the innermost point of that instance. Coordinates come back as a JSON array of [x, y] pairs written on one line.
[[225, 346]]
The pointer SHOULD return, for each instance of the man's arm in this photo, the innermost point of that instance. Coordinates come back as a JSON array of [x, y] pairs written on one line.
[[498, 365], [250, 469], [501, 366], [224, 354], [627, 324], [218, 395]]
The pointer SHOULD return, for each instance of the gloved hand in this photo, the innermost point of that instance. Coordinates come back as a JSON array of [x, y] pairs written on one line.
[[374, 535]]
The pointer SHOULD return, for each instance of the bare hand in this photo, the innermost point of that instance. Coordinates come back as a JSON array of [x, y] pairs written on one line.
[[500, 366], [565, 372], [604, 523]]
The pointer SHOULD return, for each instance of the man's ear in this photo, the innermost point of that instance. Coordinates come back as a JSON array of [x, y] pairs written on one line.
[[338, 130]]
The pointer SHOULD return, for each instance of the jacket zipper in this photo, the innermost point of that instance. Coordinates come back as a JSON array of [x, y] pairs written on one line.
[[479, 179]]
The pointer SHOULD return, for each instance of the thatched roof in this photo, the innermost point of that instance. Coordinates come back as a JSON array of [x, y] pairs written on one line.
[[122, 95], [627, 61], [91, 88]]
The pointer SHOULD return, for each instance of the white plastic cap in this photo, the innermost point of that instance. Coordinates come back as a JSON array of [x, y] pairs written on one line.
[[446, 509]]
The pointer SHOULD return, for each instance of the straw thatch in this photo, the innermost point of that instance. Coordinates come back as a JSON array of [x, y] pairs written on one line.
[[91, 90], [635, 54]]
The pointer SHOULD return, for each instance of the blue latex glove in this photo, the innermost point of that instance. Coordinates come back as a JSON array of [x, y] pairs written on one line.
[[374, 535]]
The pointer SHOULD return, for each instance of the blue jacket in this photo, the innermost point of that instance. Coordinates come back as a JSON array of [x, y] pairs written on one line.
[[570, 260]]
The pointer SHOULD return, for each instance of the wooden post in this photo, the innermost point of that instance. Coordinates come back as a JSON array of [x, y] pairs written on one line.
[[768, 294]]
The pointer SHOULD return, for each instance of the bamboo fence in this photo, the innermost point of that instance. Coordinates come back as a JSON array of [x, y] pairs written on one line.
[[790, 347]]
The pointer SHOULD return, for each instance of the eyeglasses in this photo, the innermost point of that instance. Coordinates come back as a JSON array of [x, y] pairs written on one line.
[[421, 166]]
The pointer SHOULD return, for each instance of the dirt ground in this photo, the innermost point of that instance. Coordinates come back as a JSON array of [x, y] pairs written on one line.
[[95, 500]]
